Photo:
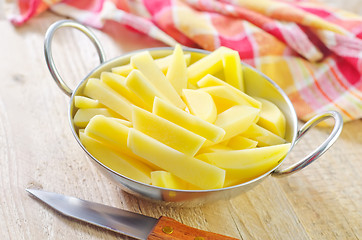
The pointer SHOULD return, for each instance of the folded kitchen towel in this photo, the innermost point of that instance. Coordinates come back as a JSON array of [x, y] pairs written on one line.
[[313, 52]]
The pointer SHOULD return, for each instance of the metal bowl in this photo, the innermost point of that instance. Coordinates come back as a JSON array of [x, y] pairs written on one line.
[[259, 87]]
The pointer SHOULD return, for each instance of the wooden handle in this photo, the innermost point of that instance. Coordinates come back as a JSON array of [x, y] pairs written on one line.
[[169, 229]]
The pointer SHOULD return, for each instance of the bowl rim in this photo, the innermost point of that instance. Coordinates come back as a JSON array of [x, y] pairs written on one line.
[[186, 49]]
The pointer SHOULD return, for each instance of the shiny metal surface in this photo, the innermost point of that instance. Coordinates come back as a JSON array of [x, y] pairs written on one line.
[[48, 50], [121, 221], [337, 129], [257, 85]]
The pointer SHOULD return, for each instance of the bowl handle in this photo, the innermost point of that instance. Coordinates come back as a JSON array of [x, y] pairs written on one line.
[[337, 129], [48, 49]]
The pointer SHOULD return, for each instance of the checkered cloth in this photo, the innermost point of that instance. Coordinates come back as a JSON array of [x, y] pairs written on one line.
[[313, 52]]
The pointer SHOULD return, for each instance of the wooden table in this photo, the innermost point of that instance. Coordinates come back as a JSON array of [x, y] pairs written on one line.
[[37, 149]]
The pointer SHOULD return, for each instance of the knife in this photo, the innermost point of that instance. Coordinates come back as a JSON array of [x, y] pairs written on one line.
[[121, 221]]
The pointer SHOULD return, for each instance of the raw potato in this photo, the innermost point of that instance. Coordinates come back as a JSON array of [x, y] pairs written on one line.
[[162, 63], [236, 120], [262, 136], [211, 81], [200, 104], [177, 71], [239, 159], [233, 70], [188, 121], [214, 148], [244, 165], [189, 169], [189, 128], [167, 180], [146, 65], [84, 115], [138, 83], [116, 161], [108, 97], [240, 142], [123, 70], [123, 122], [209, 64], [84, 102], [271, 118], [118, 83], [114, 134], [225, 98], [111, 132], [167, 132]]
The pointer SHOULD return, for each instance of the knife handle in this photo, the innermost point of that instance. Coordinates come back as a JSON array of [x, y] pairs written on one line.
[[169, 229]]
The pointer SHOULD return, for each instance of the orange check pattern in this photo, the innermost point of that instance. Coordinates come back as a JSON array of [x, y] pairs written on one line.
[[312, 51]]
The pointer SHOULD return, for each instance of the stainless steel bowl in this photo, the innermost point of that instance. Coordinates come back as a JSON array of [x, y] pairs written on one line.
[[260, 87]]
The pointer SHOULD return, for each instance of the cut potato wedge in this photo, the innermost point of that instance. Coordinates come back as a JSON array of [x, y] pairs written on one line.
[[238, 176], [240, 142], [138, 83], [186, 120], [84, 102], [246, 158], [271, 118], [233, 70], [123, 70], [167, 180], [211, 81], [162, 63], [262, 136], [177, 71], [110, 132], [200, 104], [209, 64], [123, 121], [108, 97], [113, 133], [189, 169], [214, 148], [224, 97], [84, 115], [236, 120], [145, 64], [247, 164], [167, 132], [118, 83], [119, 163]]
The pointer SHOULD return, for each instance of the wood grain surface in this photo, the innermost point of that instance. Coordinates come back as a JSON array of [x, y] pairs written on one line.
[[37, 149]]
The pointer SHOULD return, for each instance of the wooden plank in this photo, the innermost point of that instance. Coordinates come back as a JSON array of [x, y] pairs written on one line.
[[327, 195], [37, 149]]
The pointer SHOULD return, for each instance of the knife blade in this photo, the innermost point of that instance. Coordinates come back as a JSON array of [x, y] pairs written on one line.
[[121, 221]]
